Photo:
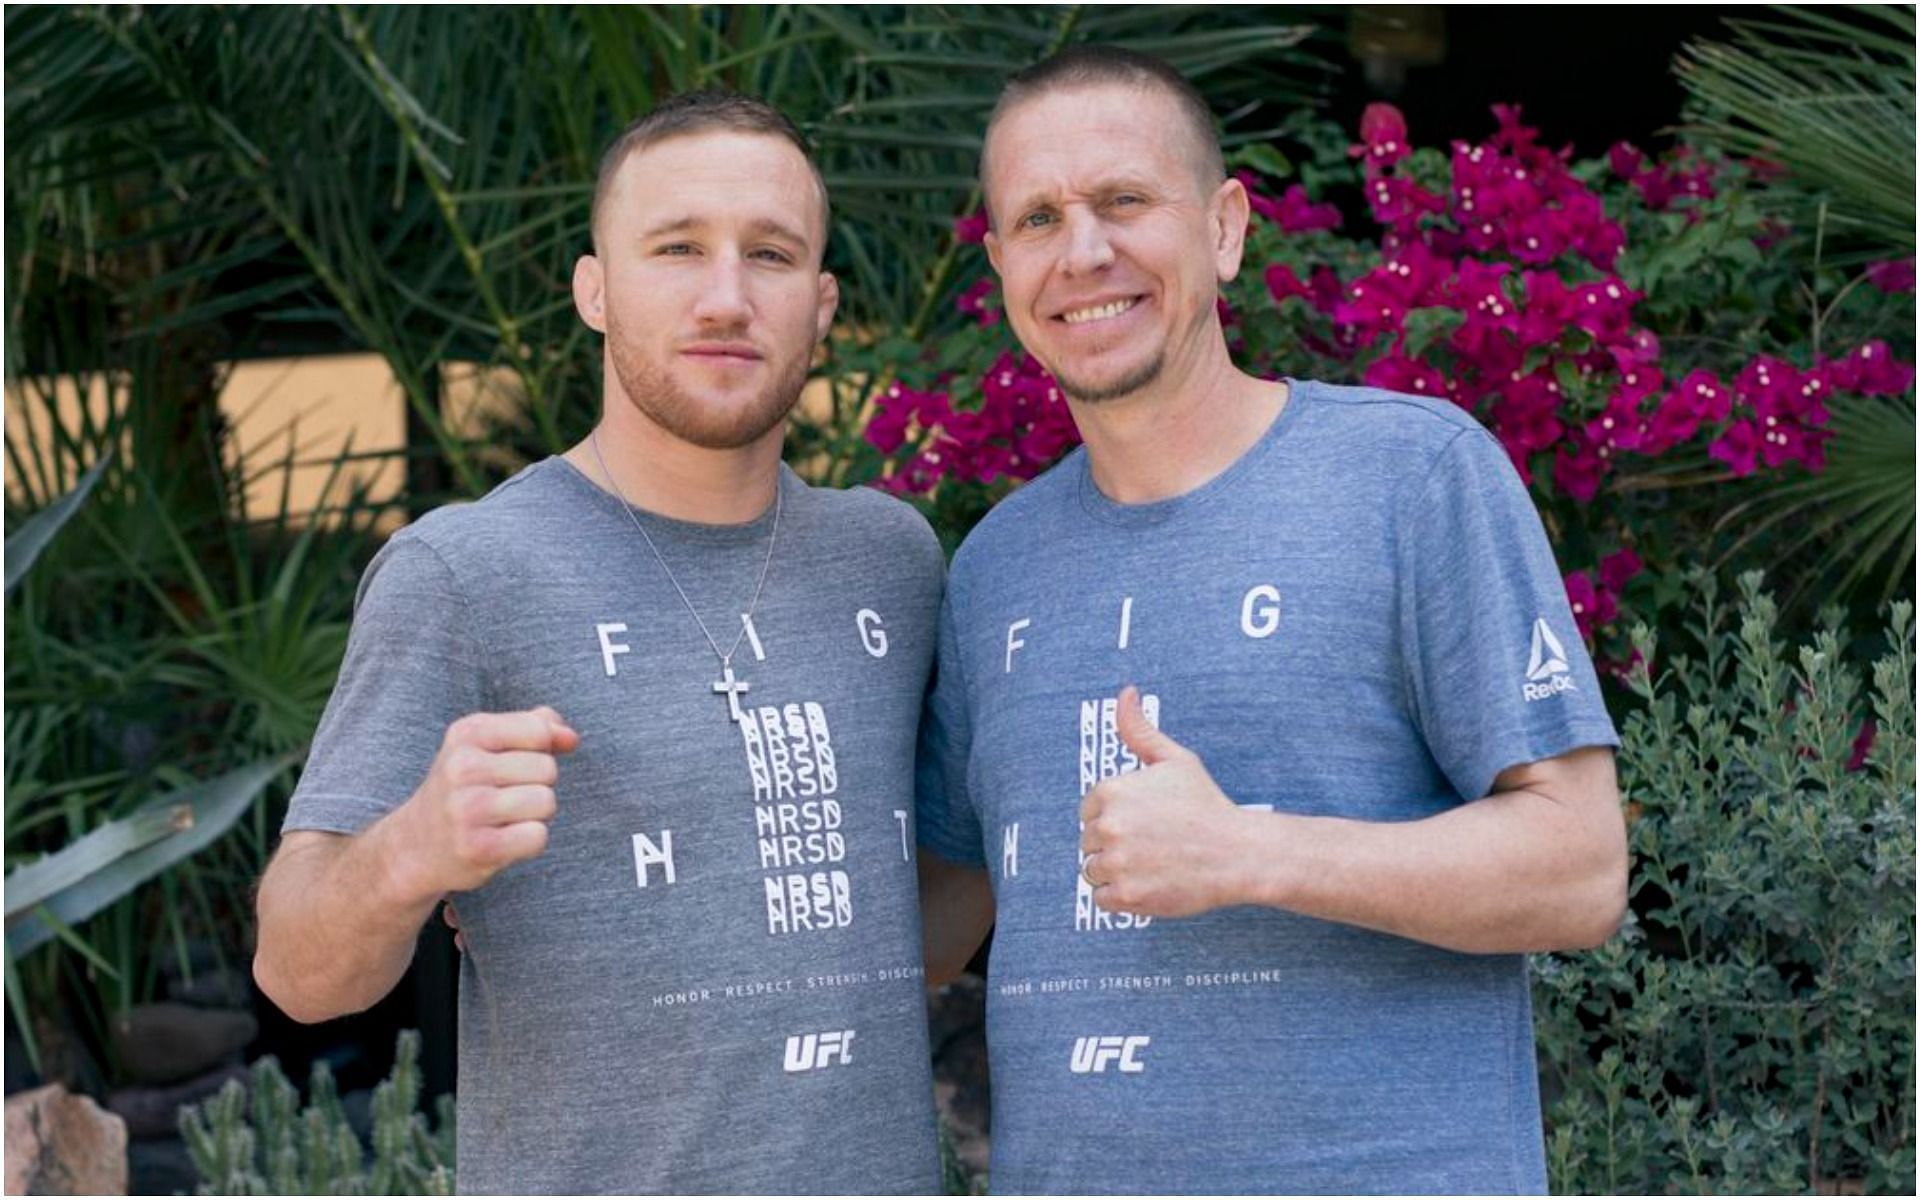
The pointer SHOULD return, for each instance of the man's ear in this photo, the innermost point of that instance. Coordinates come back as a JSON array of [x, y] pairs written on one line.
[[590, 292], [992, 243], [829, 304], [1229, 210]]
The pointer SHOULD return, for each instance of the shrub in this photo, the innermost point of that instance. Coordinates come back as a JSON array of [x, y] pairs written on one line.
[[1752, 1030]]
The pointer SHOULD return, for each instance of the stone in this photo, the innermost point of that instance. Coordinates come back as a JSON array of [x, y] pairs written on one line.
[[59, 1144], [154, 1111], [218, 987], [160, 1167], [165, 1043]]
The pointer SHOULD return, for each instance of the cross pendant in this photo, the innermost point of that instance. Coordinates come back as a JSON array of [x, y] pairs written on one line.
[[732, 687]]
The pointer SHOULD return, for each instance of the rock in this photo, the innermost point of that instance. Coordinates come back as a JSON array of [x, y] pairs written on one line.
[[163, 1043], [213, 988], [155, 1111], [59, 1144], [160, 1167]]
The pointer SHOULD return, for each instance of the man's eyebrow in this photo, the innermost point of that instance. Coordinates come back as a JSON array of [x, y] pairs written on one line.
[[780, 229], [760, 227], [1102, 187]]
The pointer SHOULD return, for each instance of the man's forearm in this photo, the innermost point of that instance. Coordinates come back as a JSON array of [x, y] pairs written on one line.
[[956, 911], [337, 928], [1513, 872]]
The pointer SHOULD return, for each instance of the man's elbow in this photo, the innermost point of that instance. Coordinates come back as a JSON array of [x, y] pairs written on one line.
[[288, 996], [1598, 905]]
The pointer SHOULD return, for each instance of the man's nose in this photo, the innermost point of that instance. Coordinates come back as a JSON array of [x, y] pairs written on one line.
[[1088, 247], [723, 293]]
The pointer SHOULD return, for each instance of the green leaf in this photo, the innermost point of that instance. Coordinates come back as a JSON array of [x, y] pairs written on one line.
[[1261, 157], [215, 806], [25, 544]]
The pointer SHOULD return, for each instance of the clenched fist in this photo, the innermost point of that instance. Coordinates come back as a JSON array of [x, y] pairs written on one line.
[[486, 800], [1162, 841]]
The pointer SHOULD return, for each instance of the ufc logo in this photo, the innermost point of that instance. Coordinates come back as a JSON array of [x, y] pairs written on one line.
[[811, 1051], [1093, 1055]]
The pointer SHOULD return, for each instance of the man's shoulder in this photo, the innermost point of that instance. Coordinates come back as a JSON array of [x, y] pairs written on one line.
[[865, 519], [1396, 421], [534, 496], [1022, 519]]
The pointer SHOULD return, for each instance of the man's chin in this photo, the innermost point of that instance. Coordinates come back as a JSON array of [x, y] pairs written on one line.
[[1101, 387]]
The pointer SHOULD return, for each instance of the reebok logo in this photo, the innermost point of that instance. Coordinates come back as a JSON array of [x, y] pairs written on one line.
[[1093, 1055], [813, 1051], [1547, 672]]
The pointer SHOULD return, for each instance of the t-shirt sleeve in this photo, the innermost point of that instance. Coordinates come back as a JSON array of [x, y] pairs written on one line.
[[409, 672], [945, 821], [1496, 668]]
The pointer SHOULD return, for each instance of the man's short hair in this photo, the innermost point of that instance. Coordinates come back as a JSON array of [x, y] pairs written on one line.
[[703, 110], [1093, 66]]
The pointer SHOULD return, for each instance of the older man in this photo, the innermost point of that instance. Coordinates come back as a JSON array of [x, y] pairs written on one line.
[[649, 710], [1260, 920]]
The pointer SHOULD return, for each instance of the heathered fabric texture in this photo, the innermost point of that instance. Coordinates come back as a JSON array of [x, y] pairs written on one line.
[[1360, 618], [711, 980]]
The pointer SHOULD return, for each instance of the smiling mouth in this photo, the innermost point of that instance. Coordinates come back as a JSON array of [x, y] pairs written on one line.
[[1101, 312]]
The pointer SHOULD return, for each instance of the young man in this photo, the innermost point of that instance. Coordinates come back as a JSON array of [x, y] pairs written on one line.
[[1261, 921], [649, 710]]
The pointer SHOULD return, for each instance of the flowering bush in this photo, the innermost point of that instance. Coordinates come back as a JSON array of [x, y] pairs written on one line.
[[1632, 329]]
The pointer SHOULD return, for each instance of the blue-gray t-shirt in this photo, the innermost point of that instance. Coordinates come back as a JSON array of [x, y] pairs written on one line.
[[1360, 618], [710, 981]]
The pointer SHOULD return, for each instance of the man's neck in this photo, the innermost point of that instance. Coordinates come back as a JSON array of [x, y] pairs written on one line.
[[1172, 437], [653, 470]]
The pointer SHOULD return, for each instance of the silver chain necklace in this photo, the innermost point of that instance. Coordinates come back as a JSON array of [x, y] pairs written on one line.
[[726, 684]]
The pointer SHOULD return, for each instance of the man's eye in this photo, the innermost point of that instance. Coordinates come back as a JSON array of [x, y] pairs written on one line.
[[773, 256], [1035, 220], [1128, 198], [675, 249]]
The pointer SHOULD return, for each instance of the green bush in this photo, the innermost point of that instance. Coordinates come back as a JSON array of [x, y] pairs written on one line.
[[258, 1141], [1752, 1029]]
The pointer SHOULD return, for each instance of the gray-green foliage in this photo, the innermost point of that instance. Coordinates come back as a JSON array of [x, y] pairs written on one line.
[[257, 1140], [1753, 1029]]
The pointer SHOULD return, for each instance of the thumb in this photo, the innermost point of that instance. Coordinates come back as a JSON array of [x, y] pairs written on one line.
[[1140, 735], [564, 740]]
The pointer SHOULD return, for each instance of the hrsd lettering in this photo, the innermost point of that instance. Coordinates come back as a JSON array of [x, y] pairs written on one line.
[[1093, 1055], [812, 1051]]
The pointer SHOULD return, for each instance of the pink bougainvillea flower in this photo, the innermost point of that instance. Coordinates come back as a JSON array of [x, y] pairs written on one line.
[[1618, 567], [1602, 308], [1372, 305], [1578, 469], [1327, 289], [1383, 137], [1400, 203], [1738, 447], [1871, 370], [1894, 276], [972, 228], [1282, 283], [1549, 306], [1626, 159], [1298, 214], [974, 302], [1593, 606], [1397, 373]]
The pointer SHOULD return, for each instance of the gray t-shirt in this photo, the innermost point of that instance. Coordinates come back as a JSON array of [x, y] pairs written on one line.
[[1360, 618], [711, 980]]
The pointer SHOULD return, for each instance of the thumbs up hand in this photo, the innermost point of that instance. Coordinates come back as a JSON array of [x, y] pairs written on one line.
[[1162, 841]]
